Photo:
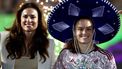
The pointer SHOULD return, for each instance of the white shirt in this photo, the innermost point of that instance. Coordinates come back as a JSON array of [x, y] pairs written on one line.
[[10, 64]]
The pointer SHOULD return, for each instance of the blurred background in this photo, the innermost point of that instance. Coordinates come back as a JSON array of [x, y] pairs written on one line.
[[7, 16]]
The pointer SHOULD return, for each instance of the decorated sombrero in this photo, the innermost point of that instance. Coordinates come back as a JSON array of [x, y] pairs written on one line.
[[103, 13]]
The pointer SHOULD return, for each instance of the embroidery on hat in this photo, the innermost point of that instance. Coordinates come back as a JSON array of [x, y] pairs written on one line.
[[106, 29], [60, 26], [98, 12], [73, 10]]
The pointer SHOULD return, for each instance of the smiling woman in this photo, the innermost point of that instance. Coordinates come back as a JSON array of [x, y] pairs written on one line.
[[84, 30], [81, 25], [29, 19], [25, 45], [81, 52]]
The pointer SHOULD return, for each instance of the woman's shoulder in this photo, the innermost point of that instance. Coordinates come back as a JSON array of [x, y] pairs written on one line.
[[51, 40], [51, 45], [4, 33], [65, 51], [106, 53]]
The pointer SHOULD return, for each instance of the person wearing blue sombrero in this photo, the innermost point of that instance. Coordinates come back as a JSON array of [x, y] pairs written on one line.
[[81, 24]]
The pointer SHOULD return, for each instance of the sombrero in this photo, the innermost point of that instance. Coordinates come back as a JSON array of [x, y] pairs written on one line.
[[103, 13]]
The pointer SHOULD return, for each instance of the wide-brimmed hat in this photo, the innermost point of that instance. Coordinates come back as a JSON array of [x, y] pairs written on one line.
[[104, 14]]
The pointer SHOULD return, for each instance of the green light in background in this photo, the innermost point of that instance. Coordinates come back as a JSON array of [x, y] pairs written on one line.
[[6, 21]]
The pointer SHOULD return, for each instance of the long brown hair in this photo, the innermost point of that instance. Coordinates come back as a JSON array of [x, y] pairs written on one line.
[[15, 41]]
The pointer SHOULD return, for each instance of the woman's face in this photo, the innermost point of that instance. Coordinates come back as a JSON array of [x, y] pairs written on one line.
[[84, 31], [29, 20]]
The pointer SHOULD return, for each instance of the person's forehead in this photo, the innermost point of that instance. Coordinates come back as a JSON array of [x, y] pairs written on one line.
[[84, 22], [29, 11]]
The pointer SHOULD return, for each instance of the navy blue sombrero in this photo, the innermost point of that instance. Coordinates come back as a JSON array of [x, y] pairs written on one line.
[[104, 14]]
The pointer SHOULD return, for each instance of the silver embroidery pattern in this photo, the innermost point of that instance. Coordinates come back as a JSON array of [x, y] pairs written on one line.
[[60, 26], [73, 10], [98, 11], [106, 29], [93, 60]]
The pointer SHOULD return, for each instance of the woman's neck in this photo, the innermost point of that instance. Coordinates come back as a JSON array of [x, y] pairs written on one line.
[[29, 35], [28, 38], [86, 48]]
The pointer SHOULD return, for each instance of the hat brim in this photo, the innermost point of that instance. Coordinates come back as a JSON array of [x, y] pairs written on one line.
[[104, 15]]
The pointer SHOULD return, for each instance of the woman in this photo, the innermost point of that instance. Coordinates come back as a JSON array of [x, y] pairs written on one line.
[[81, 53], [25, 45], [82, 24]]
